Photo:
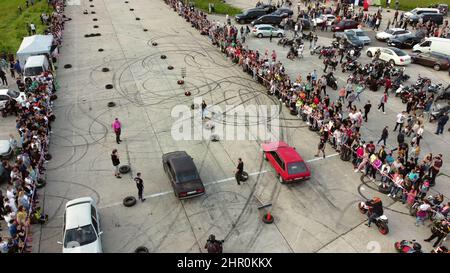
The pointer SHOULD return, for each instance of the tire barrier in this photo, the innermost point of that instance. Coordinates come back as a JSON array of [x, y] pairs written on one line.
[[95, 26], [267, 218], [187, 93], [180, 82], [170, 67], [105, 69], [244, 176], [124, 169], [111, 104], [100, 50], [137, 18], [145, 29], [129, 201], [154, 44], [92, 12], [67, 66], [131, 9], [163, 57], [109, 86], [95, 19], [91, 6], [141, 249], [40, 183], [214, 138]]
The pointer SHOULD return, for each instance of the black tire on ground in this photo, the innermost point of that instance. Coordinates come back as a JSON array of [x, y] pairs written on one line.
[[105, 69], [95, 19], [129, 201], [100, 50], [141, 249], [170, 67], [124, 169], [369, 54], [91, 6], [40, 183], [154, 44], [111, 104], [384, 190], [163, 57], [109, 86], [244, 176], [137, 18], [92, 12], [95, 26], [145, 29], [131, 9], [265, 220], [180, 82], [66, 66]]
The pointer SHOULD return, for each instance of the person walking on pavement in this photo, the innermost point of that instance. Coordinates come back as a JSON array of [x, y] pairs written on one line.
[[116, 162], [383, 100], [440, 231], [384, 135], [400, 120], [3, 77], [367, 107], [441, 123], [117, 127], [203, 109], [140, 186], [434, 170], [239, 170]]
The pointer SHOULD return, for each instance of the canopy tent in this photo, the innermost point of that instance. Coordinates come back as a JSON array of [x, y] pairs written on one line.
[[34, 45]]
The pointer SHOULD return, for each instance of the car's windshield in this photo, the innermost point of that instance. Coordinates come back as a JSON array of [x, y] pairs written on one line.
[[399, 52], [360, 33], [33, 71], [296, 168], [13, 94], [389, 31], [187, 177], [79, 236]]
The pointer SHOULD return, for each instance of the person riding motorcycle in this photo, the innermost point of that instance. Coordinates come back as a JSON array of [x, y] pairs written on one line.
[[375, 209], [213, 245]]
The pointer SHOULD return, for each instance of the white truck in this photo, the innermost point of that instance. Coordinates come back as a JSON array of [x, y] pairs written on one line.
[[433, 44]]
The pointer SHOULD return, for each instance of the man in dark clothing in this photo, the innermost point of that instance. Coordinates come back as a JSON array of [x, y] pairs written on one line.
[[239, 171], [3, 77], [384, 136], [440, 231], [376, 209], [140, 186], [367, 109], [441, 123], [116, 162]]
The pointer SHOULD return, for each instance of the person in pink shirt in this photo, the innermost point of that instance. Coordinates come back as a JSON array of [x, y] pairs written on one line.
[[117, 127]]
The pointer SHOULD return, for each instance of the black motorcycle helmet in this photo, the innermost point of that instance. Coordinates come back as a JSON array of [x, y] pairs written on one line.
[[417, 247], [212, 237]]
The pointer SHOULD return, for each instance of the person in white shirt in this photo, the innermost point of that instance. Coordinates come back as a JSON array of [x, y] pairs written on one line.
[[397, 186], [422, 212], [400, 119]]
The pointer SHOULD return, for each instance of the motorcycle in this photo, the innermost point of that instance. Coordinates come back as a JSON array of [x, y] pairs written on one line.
[[435, 88], [405, 246], [381, 221], [420, 82], [350, 65], [315, 50], [327, 52], [331, 81]]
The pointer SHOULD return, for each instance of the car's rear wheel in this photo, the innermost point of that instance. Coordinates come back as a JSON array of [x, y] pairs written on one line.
[[369, 54], [392, 62], [279, 35], [259, 35], [437, 67]]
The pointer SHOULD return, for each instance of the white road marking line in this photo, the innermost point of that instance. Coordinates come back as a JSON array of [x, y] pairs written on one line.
[[211, 183], [169, 192]]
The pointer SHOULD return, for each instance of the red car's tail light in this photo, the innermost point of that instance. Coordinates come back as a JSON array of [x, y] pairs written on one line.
[[182, 194], [200, 190]]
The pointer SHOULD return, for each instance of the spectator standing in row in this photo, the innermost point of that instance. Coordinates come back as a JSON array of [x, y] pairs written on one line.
[[140, 186], [116, 162]]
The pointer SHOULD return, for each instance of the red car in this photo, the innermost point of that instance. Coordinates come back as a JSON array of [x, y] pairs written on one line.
[[343, 25], [288, 164]]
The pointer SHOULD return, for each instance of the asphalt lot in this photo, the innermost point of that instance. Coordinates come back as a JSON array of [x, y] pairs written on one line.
[[318, 215]]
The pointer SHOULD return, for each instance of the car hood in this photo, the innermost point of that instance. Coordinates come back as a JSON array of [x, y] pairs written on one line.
[[4, 146], [89, 248]]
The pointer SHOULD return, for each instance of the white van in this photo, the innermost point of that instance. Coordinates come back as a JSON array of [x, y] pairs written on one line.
[[35, 65], [418, 11], [434, 44]]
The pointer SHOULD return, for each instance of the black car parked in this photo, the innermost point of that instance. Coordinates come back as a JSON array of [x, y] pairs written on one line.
[[249, 15], [404, 41], [284, 12], [437, 18], [274, 20], [183, 174]]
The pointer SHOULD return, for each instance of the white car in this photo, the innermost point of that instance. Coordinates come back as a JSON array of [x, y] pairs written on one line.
[[6, 95], [81, 232], [6, 151], [329, 18], [391, 33], [264, 31], [390, 54]]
